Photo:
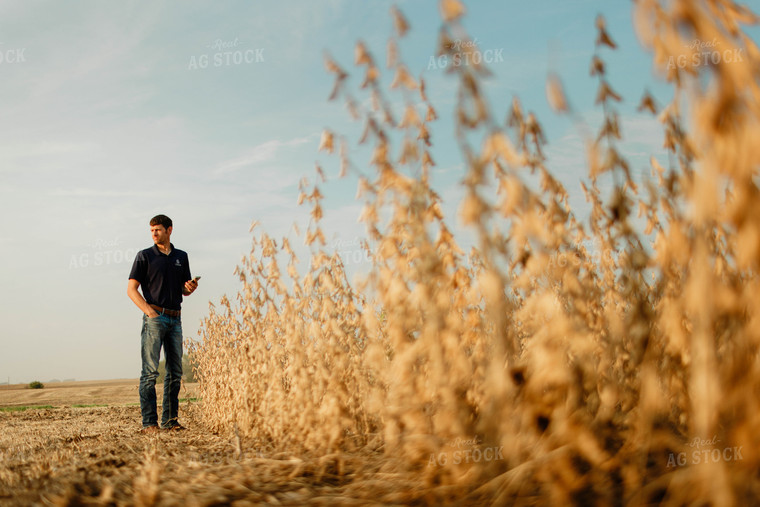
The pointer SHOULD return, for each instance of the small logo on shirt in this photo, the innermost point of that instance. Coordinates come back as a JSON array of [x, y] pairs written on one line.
[[177, 263]]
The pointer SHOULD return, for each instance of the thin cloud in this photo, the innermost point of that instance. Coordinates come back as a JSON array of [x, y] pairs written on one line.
[[261, 154], [94, 192], [12, 152]]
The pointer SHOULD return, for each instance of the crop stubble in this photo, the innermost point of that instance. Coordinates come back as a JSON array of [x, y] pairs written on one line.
[[96, 456]]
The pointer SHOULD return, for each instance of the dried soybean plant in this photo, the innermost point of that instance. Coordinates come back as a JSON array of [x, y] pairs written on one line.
[[282, 367], [532, 368]]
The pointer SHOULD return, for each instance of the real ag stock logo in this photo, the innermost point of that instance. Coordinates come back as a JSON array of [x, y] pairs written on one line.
[[11, 55], [352, 251], [460, 450], [465, 53], [103, 253], [704, 53], [226, 53], [705, 451]]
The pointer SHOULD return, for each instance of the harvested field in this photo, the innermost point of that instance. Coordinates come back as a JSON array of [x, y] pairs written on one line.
[[97, 456]]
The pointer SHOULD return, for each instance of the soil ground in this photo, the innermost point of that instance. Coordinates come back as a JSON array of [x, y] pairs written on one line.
[[96, 455]]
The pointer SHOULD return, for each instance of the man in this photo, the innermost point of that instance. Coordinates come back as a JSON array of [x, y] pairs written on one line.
[[163, 274]]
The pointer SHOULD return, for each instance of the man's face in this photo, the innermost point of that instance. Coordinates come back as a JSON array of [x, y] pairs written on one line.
[[160, 234]]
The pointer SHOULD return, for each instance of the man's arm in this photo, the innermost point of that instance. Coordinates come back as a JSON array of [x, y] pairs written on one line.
[[138, 299], [190, 284]]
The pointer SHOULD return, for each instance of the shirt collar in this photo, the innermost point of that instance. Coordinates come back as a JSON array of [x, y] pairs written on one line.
[[159, 252]]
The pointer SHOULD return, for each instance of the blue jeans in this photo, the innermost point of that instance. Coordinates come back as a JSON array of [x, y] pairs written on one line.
[[157, 332]]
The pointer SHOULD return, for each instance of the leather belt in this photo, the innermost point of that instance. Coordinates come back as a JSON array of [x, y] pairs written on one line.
[[166, 311]]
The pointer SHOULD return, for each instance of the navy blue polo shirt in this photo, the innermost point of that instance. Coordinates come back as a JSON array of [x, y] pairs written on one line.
[[162, 277]]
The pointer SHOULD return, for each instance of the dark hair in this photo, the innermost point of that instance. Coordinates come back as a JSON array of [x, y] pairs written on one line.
[[161, 220]]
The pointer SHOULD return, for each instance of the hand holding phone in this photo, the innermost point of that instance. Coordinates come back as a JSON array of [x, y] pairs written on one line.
[[190, 286]]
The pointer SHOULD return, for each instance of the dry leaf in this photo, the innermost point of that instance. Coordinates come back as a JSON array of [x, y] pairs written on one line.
[[555, 94], [451, 10], [326, 141], [399, 22]]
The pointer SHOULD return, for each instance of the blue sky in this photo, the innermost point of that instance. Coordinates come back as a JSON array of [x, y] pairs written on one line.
[[109, 117]]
